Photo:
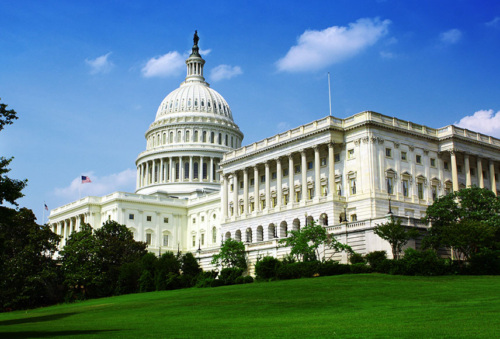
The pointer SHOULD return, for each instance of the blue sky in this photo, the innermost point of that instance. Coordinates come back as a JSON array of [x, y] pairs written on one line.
[[86, 77]]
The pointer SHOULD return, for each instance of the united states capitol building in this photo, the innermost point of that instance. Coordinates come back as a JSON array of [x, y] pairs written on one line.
[[197, 185]]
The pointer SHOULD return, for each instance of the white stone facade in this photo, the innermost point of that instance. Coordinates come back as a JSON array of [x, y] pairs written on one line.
[[196, 185]]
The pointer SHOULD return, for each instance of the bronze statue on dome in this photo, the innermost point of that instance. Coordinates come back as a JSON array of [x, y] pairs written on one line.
[[196, 38]]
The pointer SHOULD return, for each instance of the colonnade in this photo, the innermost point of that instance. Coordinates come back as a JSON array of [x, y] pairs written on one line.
[[67, 226], [178, 169], [467, 168], [295, 165]]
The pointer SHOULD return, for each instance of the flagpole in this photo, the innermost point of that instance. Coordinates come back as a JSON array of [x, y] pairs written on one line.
[[329, 94], [80, 189], [43, 220]]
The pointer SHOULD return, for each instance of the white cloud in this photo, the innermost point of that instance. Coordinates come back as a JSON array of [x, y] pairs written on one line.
[[451, 37], [483, 121], [387, 55], [124, 181], [495, 23], [165, 65], [225, 72], [100, 64], [205, 51], [318, 49]]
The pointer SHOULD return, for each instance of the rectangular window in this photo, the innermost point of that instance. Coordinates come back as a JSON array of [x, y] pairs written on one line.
[[148, 218], [446, 167], [202, 218], [148, 238], [403, 156], [433, 162], [241, 209], [389, 186], [434, 192], [418, 159], [459, 169], [131, 216], [339, 190], [309, 165], [310, 193], [473, 171], [241, 184], [285, 199], [405, 188], [273, 202], [297, 168], [252, 182], [353, 186], [252, 206], [165, 220], [323, 161], [350, 154], [388, 152], [194, 240], [420, 188], [262, 204], [323, 191], [285, 172], [273, 175], [194, 220], [203, 239], [297, 196], [262, 178], [165, 240], [336, 157], [231, 188]]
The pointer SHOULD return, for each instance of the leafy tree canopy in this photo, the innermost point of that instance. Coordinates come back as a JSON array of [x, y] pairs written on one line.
[[396, 235], [231, 254]]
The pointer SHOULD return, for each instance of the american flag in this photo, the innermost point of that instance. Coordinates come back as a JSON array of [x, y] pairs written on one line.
[[46, 208], [85, 179]]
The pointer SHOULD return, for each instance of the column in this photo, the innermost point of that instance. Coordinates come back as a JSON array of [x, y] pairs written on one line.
[[224, 197], [181, 170], [303, 171], [279, 188], [138, 179], [480, 177], [467, 171], [171, 177], [210, 170], [291, 189], [492, 177], [161, 171], [268, 185], [200, 170], [331, 169], [454, 172], [256, 198], [235, 194], [245, 191], [317, 174], [191, 169], [147, 173]]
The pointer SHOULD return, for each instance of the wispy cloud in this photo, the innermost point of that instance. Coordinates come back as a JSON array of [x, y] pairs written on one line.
[[124, 180], [224, 72], [100, 64], [495, 23], [169, 64], [205, 51], [483, 121], [451, 36], [283, 126], [387, 55], [318, 49]]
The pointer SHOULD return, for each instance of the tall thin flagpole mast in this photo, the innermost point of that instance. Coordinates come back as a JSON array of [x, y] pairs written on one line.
[[329, 94]]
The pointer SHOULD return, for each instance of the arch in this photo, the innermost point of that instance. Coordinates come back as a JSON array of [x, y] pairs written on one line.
[[237, 235], [214, 235], [283, 229], [187, 136], [186, 170], [296, 224], [271, 231], [220, 139], [171, 138], [249, 235], [195, 136], [309, 220], [228, 235], [323, 219], [260, 233]]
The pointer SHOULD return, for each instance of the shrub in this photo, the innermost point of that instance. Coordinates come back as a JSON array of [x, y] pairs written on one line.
[[328, 268], [228, 275], [205, 282], [375, 260], [360, 268], [248, 279], [486, 261], [420, 263], [128, 279], [298, 270], [173, 281], [267, 268], [146, 282], [356, 258]]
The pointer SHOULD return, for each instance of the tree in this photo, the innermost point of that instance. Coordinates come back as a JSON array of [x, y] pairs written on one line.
[[396, 235], [466, 221], [305, 243], [231, 254]]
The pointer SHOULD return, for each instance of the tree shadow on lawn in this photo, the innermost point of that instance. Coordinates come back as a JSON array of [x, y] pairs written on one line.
[[50, 334], [36, 319]]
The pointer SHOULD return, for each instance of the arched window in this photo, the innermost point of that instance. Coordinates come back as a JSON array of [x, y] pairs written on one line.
[[189, 102], [296, 225], [202, 103], [228, 235], [324, 219], [208, 104], [171, 137], [164, 138], [271, 231], [195, 102], [187, 136], [212, 137], [177, 171], [195, 170], [249, 235], [283, 229], [214, 235], [220, 138], [227, 144], [195, 136], [204, 136], [186, 170], [179, 136], [237, 235], [260, 233]]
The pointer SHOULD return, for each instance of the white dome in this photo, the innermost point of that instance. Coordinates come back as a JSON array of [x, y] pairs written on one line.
[[194, 97]]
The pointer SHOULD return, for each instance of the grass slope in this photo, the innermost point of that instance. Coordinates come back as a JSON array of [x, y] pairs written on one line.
[[348, 306]]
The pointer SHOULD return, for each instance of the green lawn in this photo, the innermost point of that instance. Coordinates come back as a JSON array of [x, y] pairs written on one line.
[[348, 306]]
